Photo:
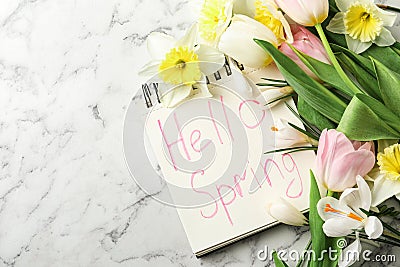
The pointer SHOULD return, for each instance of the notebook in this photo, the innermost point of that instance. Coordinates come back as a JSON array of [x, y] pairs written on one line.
[[211, 152]]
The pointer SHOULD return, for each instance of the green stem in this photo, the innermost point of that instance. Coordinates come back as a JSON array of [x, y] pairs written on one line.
[[334, 61], [381, 240], [330, 193], [390, 228], [302, 256]]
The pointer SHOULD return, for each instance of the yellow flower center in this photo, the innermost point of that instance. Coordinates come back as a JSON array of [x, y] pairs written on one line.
[[389, 162], [212, 16], [362, 22], [264, 16], [180, 66]]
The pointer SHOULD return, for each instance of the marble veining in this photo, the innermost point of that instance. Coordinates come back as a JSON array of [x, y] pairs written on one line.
[[67, 73]]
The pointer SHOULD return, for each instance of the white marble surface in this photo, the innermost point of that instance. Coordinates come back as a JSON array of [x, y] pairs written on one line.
[[67, 73]]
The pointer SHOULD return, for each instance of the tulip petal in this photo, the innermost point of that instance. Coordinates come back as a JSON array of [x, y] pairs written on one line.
[[159, 44], [373, 227], [350, 253], [385, 38], [356, 45], [344, 173], [336, 24], [384, 189], [241, 33], [211, 59], [340, 227]]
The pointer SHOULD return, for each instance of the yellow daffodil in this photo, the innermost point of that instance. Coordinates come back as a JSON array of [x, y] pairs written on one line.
[[363, 24], [215, 17], [387, 184], [182, 64], [269, 14]]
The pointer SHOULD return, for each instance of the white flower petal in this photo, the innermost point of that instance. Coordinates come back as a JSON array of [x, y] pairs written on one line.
[[287, 136], [158, 44], [356, 45], [384, 189], [385, 38], [244, 7], [373, 227], [334, 203], [211, 59], [343, 5], [190, 38], [202, 88], [388, 17], [340, 227], [286, 213], [241, 33], [364, 193], [176, 95], [336, 24], [349, 254], [150, 69]]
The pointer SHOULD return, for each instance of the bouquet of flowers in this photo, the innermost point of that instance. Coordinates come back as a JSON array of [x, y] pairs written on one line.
[[342, 64]]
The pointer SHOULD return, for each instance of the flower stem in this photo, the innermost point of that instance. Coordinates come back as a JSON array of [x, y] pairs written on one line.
[[334, 61], [302, 256], [330, 193], [390, 228]]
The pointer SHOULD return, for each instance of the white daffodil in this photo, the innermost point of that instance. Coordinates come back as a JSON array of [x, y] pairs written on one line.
[[350, 254], [267, 13], [344, 216], [287, 136], [182, 63], [363, 23], [215, 16], [387, 183], [241, 34], [286, 213]]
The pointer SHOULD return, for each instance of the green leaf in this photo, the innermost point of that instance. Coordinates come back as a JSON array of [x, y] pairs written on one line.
[[325, 72], [363, 62], [313, 116], [278, 261], [389, 85], [316, 95], [367, 119], [332, 242], [318, 238], [386, 55], [368, 82]]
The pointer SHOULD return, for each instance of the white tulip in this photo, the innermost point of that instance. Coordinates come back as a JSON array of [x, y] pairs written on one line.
[[238, 42], [286, 213]]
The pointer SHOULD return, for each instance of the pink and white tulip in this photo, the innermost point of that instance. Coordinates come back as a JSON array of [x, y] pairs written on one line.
[[305, 42], [305, 12], [338, 162]]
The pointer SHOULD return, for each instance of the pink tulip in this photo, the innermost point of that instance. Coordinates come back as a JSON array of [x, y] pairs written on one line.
[[339, 162], [305, 42], [305, 12]]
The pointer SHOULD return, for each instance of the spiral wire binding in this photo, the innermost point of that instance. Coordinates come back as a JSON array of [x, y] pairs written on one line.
[[151, 93]]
